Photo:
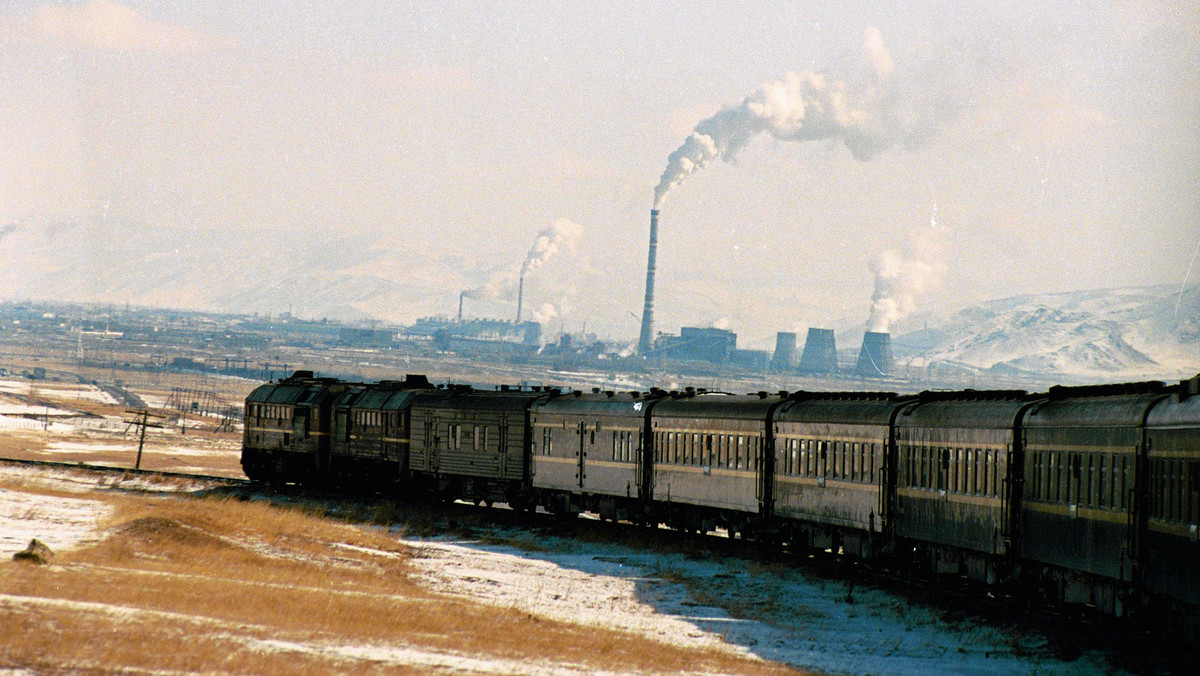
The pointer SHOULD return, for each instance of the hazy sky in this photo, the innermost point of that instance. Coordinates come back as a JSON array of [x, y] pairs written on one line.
[[1054, 145]]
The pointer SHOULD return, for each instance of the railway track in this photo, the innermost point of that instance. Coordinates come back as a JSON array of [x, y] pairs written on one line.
[[106, 469]]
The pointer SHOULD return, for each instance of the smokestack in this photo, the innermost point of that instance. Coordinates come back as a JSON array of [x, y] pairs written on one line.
[[785, 352], [875, 358], [646, 341], [460, 299], [520, 296], [820, 352]]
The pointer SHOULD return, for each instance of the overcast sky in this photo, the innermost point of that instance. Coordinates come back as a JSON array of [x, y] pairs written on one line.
[[1015, 147]]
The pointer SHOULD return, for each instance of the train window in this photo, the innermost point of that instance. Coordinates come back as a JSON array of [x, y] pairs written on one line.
[[1193, 491], [874, 450], [1106, 480], [1093, 479], [1176, 492], [546, 431], [1052, 486], [592, 438], [795, 453], [969, 471]]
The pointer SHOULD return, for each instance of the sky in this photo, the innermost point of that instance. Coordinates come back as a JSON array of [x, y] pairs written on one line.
[[866, 162]]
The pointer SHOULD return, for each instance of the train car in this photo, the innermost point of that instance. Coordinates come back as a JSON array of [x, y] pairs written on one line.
[[712, 461], [473, 445], [958, 481], [833, 453], [1171, 553], [370, 434], [1085, 484], [286, 433], [589, 453]]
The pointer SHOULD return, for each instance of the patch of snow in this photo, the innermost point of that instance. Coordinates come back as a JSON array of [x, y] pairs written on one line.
[[11, 423], [59, 522], [771, 613]]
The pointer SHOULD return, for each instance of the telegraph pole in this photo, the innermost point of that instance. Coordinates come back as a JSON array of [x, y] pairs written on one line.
[[142, 420]]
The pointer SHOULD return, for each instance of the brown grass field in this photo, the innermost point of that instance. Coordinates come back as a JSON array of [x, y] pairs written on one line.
[[216, 584]]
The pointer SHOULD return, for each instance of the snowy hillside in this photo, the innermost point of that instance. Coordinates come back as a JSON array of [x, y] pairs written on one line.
[[345, 279], [1144, 332]]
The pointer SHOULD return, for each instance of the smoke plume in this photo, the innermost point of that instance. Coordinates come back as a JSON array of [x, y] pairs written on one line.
[[903, 275], [562, 236], [801, 107]]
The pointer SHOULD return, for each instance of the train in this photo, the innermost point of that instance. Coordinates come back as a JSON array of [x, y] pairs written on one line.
[[1082, 495]]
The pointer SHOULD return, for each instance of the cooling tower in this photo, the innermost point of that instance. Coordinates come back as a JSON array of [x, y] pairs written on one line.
[[875, 357], [820, 352], [785, 352], [646, 340]]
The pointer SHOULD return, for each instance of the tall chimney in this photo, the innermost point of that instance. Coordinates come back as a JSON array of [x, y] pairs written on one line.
[[520, 296], [646, 340], [875, 358], [460, 299], [820, 352]]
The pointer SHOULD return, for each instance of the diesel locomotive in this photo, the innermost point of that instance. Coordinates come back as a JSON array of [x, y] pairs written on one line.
[[1084, 495]]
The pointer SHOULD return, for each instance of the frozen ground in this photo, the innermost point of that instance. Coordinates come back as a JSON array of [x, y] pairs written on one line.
[[775, 613], [770, 611]]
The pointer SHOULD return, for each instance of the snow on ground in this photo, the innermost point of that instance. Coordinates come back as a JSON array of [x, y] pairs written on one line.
[[770, 611], [59, 522], [773, 613], [17, 423], [40, 411]]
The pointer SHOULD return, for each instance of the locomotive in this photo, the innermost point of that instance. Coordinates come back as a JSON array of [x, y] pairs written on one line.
[[1087, 495]]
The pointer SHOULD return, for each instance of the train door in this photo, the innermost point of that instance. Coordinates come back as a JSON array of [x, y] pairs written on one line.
[[300, 422], [580, 453], [822, 462], [502, 447]]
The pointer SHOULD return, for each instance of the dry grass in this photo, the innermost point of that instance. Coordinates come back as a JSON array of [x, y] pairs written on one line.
[[204, 584]]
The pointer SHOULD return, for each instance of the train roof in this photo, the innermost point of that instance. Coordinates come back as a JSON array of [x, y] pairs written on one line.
[[716, 405], [865, 408], [466, 398], [1180, 410], [980, 409], [294, 393], [603, 403], [388, 398], [1121, 405]]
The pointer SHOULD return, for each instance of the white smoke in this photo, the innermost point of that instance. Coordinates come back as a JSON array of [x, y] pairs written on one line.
[[801, 107], [545, 313], [903, 276], [561, 236]]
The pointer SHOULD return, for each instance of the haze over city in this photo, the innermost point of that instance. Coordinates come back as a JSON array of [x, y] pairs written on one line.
[[380, 159]]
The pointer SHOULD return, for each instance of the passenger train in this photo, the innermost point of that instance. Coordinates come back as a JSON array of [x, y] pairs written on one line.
[[1085, 495]]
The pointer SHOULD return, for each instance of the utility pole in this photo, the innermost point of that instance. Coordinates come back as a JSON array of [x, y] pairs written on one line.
[[142, 420]]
